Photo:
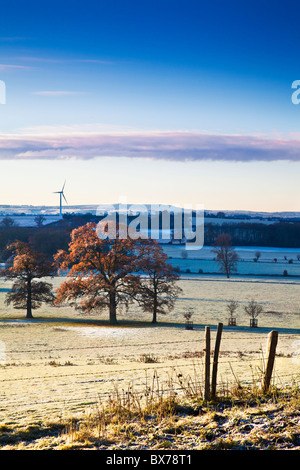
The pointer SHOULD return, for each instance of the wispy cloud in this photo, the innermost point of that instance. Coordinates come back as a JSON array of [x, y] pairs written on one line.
[[76, 129], [12, 38], [34, 59], [8, 67], [174, 146], [95, 61], [57, 93], [62, 60]]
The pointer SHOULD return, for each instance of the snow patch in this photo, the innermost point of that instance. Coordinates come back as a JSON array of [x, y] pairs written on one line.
[[94, 332]]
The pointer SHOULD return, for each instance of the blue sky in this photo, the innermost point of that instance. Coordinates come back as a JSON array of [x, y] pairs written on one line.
[[184, 102]]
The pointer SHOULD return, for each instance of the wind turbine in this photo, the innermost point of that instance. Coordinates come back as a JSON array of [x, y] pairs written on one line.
[[61, 195]]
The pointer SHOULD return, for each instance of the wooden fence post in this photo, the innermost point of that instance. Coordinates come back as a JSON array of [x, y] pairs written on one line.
[[271, 351], [207, 364], [215, 363]]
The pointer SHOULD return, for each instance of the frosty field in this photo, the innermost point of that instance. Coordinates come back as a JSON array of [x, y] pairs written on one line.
[[272, 261], [63, 362]]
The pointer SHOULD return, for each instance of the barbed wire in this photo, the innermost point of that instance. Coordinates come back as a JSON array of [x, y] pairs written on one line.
[[156, 343], [85, 401], [109, 377], [120, 370]]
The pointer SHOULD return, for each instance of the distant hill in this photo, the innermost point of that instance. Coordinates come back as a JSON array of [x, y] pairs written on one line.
[[24, 215], [12, 210], [92, 208]]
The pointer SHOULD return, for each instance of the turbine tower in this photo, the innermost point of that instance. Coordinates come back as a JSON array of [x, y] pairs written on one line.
[[61, 195]]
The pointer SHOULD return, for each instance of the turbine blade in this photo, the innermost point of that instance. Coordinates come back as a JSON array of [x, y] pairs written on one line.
[[64, 185], [64, 198]]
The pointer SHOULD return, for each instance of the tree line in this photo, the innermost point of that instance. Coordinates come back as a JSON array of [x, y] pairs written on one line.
[[48, 239], [280, 235]]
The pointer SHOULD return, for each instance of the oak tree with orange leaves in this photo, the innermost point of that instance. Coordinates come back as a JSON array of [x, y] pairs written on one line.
[[107, 272], [27, 293], [101, 271], [158, 290]]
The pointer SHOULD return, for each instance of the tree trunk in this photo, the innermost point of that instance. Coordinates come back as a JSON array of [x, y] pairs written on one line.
[[112, 308], [29, 306], [154, 318]]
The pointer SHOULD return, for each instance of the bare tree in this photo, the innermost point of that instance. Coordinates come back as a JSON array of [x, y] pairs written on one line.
[[184, 254], [226, 256], [8, 222], [39, 220], [231, 308], [188, 314], [253, 309], [257, 256]]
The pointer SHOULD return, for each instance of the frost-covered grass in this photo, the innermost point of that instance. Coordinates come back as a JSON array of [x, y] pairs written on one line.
[[203, 260], [58, 367], [241, 420]]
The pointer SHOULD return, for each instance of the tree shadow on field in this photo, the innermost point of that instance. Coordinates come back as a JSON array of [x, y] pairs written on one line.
[[122, 323]]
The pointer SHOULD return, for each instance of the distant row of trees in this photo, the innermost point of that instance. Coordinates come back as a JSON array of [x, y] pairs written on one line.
[[281, 234], [101, 273], [49, 238], [8, 222]]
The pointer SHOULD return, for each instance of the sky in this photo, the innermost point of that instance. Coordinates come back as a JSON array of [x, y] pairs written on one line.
[[151, 101]]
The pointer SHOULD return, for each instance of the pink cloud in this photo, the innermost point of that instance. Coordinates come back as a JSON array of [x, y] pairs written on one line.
[[175, 146]]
